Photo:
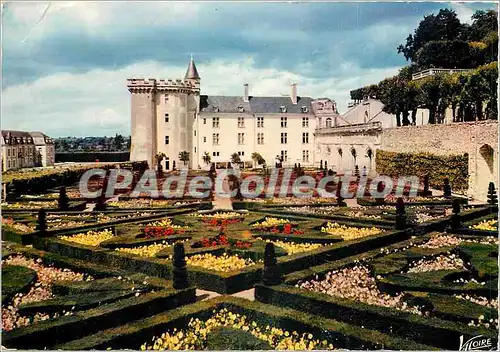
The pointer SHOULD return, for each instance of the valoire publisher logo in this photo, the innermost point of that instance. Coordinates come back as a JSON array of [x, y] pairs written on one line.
[[475, 343]]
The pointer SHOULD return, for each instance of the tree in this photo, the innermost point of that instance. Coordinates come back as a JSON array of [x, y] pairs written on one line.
[[207, 159], [258, 159], [184, 157], [118, 142], [159, 158], [235, 158], [443, 26]]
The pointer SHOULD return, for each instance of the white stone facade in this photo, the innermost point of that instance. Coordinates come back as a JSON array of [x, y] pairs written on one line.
[[170, 116]]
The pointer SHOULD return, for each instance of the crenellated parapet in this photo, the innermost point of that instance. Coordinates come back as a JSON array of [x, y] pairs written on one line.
[[142, 85]]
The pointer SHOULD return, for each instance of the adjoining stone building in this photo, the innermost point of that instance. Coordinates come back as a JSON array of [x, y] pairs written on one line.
[[26, 149]]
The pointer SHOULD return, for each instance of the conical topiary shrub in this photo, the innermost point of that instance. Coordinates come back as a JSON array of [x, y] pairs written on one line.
[[41, 224], [356, 171], [447, 188], [492, 194], [63, 201], [179, 271], [426, 185], [400, 214], [455, 219], [321, 164], [380, 188], [271, 274]]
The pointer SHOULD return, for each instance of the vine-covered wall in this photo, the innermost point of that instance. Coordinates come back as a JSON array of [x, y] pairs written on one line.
[[438, 167]]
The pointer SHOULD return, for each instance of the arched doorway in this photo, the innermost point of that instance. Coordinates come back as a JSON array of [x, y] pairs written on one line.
[[369, 159], [339, 160], [328, 122], [354, 155], [486, 167]]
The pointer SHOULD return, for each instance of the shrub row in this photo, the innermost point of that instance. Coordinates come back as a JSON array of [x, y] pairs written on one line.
[[221, 282], [341, 335], [25, 182], [90, 157], [438, 167], [46, 334], [426, 330]]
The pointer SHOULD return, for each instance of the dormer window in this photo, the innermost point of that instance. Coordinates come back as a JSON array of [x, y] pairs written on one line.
[[216, 109], [282, 108], [240, 109], [305, 109]]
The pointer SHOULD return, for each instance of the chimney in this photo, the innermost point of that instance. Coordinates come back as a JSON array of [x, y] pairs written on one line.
[[294, 94], [246, 96]]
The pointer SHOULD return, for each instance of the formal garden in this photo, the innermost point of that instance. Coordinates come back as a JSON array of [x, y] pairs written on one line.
[[270, 273]]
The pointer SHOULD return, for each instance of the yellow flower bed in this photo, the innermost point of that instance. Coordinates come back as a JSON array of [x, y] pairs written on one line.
[[218, 215], [271, 222], [486, 225], [30, 205], [294, 248], [147, 250], [164, 223], [349, 233], [223, 263], [195, 336], [91, 238]]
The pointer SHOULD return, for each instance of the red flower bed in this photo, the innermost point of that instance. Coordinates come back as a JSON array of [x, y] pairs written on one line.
[[286, 229], [219, 240], [221, 222], [242, 244], [158, 232]]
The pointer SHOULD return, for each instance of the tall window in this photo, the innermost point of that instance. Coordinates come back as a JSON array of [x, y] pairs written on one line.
[[305, 137], [195, 133], [260, 138], [166, 98], [204, 121], [305, 122], [305, 156], [260, 121], [215, 154], [204, 139], [284, 138], [283, 122], [328, 122], [241, 122], [284, 155], [241, 153], [215, 122], [215, 139], [241, 138], [166, 117], [167, 139]]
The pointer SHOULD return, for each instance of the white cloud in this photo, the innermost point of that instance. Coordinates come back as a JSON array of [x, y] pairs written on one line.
[[98, 103], [464, 12]]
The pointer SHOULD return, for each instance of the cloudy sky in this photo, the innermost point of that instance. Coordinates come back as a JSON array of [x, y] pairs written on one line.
[[65, 64]]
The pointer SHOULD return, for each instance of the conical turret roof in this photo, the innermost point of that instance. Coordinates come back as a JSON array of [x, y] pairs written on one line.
[[192, 72]]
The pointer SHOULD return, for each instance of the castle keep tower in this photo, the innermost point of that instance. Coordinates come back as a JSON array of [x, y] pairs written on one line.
[[163, 113]]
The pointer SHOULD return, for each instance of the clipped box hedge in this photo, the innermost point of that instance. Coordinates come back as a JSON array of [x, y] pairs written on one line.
[[438, 167], [221, 282], [47, 333], [340, 334], [432, 331]]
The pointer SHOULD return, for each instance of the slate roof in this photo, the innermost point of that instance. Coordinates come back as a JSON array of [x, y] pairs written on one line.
[[257, 105], [192, 72], [37, 138]]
